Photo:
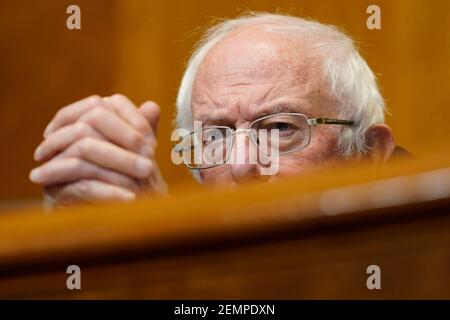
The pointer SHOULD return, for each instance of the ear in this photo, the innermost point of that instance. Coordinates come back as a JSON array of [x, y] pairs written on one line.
[[380, 143]]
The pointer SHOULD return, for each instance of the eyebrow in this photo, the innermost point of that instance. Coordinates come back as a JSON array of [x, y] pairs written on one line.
[[276, 108], [222, 119], [213, 117]]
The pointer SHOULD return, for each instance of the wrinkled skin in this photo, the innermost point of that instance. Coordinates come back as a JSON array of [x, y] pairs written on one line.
[[253, 73]]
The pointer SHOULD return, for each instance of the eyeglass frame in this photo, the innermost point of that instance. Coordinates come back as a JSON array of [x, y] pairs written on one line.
[[310, 122]]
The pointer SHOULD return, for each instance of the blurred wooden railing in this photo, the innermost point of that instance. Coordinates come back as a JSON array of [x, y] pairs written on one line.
[[305, 237]]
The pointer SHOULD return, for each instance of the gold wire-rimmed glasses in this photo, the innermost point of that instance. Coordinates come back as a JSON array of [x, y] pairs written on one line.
[[290, 132]]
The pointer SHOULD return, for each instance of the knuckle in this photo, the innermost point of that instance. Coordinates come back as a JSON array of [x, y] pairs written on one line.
[[96, 114], [85, 146], [61, 113], [74, 163], [81, 188], [118, 97], [142, 126], [135, 139], [148, 147], [82, 129], [94, 100]]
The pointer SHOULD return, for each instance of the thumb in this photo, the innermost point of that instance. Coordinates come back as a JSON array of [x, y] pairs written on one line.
[[151, 112]]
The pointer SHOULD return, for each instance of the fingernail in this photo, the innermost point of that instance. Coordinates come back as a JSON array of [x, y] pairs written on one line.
[[143, 166], [35, 175], [38, 154]]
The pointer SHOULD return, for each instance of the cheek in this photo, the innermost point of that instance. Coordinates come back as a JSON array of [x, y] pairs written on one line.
[[216, 176], [321, 152]]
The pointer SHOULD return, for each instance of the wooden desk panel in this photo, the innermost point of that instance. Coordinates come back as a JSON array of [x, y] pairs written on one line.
[[304, 238]]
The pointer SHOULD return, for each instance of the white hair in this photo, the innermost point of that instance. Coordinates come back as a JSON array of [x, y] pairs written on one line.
[[350, 80]]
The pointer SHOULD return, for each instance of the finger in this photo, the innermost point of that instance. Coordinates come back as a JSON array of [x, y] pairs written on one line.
[[110, 156], [114, 128], [88, 191], [72, 113], [64, 137], [151, 111], [58, 171], [128, 111], [155, 182]]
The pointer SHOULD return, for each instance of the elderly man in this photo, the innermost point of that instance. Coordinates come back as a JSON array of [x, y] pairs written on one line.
[[261, 71]]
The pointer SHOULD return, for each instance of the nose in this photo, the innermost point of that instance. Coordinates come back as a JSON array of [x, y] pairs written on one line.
[[244, 172], [244, 166]]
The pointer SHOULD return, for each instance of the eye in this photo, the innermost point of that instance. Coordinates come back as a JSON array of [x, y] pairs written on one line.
[[280, 126], [210, 140], [213, 136]]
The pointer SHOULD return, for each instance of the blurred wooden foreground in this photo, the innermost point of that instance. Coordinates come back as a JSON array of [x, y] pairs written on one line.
[[306, 237]]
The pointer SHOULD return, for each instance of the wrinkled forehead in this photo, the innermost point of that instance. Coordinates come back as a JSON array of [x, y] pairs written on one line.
[[254, 53], [253, 67]]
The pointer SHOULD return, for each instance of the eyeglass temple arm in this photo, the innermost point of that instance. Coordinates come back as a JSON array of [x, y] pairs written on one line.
[[330, 121]]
